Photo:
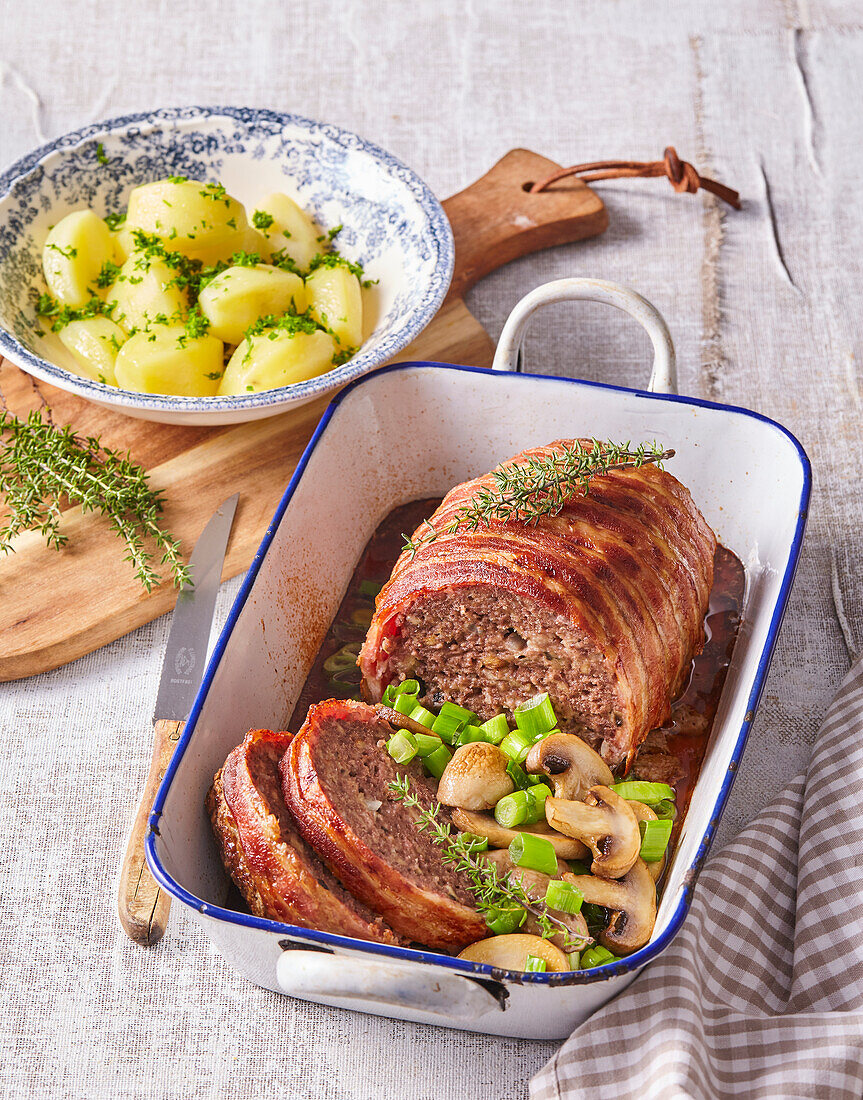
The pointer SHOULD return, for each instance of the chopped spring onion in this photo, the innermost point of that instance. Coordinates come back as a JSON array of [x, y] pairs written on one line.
[[437, 761], [649, 793], [502, 921], [422, 715], [392, 692], [535, 965], [447, 727], [362, 616], [469, 734], [538, 794], [519, 776], [453, 710], [495, 729], [516, 745], [578, 867], [654, 839], [405, 703], [370, 588], [427, 743], [513, 809], [475, 843], [536, 715], [563, 896], [343, 658], [574, 958], [402, 746], [665, 809], [596, 956], [542, 736], [534, 852]]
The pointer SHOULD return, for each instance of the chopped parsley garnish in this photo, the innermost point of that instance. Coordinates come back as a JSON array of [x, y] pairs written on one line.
[[114, 221], [261, 219], [178, 179], [216, 192], [60, 316], [101, 156], [70, 253], [107, 275]]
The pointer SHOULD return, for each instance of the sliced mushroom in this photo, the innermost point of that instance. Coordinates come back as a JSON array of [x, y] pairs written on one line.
[[499, 836], [606, 824], [511, 952], [535, 885], [475, 778], [632, 901], [570, 763], [644, 813]]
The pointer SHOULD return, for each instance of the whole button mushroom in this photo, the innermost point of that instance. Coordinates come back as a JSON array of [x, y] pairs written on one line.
[[606, 824], [475, 778], [510, 952], [570, 763]]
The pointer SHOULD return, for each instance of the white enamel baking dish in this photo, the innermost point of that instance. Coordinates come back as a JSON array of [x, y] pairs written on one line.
[[414, 430]]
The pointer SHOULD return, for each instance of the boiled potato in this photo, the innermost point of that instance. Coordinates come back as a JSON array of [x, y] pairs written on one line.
[[335, 300], [168, 360], [234, 300], [95, 343], [292, 230], [277, 358], [201, 220], [74, 254], [142, 293]]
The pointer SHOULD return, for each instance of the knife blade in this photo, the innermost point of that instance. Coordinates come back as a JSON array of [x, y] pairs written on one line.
[[142, 905], [186, 651]]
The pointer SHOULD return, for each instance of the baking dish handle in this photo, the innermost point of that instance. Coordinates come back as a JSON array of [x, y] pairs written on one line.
[[663, 378], [312, 975]]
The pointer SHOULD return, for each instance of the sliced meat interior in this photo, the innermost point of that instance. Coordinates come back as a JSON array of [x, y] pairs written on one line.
[[275, 870], [336, 783], [601, 605]]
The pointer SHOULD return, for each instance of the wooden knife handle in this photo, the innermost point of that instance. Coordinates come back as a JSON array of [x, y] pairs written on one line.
[[496, 220], [142, 905]]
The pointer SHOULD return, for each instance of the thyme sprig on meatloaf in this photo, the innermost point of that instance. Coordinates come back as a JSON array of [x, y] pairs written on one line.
[[541, 486], [490, 890]]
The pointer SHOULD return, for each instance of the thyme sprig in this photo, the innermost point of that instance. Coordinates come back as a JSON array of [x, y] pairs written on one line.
[[541, 486], [490, 890], [40, 464]]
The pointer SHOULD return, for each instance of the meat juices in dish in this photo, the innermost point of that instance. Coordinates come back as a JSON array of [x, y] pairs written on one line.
[[601, 605], [276, 871], [336, 782]]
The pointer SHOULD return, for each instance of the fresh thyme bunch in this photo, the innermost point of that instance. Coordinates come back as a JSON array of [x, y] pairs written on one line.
[[40, 464], [540, 487], [490, 890]]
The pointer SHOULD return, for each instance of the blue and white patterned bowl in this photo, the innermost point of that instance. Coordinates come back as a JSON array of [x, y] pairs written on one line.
[[393, 225]]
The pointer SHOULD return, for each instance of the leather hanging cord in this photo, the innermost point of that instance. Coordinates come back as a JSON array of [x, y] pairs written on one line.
[[681, 175]]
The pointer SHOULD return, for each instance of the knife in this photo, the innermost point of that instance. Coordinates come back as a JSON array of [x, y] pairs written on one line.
[[141, 903]]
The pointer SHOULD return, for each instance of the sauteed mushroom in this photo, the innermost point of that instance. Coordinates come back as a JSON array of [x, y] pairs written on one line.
[[605, 822], [632, 901], [644, 813], [535, 885], [499, 836], [511, 952], [475, 778], [570, 763]]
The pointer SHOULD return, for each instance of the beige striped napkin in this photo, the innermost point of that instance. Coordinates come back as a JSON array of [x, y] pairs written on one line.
[[761, 993]]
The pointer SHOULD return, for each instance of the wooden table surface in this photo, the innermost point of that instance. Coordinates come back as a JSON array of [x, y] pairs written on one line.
[[764, 306]]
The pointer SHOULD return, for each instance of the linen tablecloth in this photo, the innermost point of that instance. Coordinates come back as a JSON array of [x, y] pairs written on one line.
[[761, 993]]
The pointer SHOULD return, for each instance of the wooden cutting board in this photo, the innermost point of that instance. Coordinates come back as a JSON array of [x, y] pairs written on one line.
[[57, 606]]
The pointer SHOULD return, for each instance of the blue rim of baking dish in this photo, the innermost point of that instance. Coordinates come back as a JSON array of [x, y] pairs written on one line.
[[482, 970], [439, 228]]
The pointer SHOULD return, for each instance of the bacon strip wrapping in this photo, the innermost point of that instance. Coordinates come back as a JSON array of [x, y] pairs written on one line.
[[601, 605]]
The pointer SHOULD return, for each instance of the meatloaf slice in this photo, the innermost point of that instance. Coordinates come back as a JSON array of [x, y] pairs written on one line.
[[336, 783], [602, 605], [274, 868]]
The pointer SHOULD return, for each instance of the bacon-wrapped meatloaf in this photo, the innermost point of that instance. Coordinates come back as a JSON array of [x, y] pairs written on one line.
[[601, 605]]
